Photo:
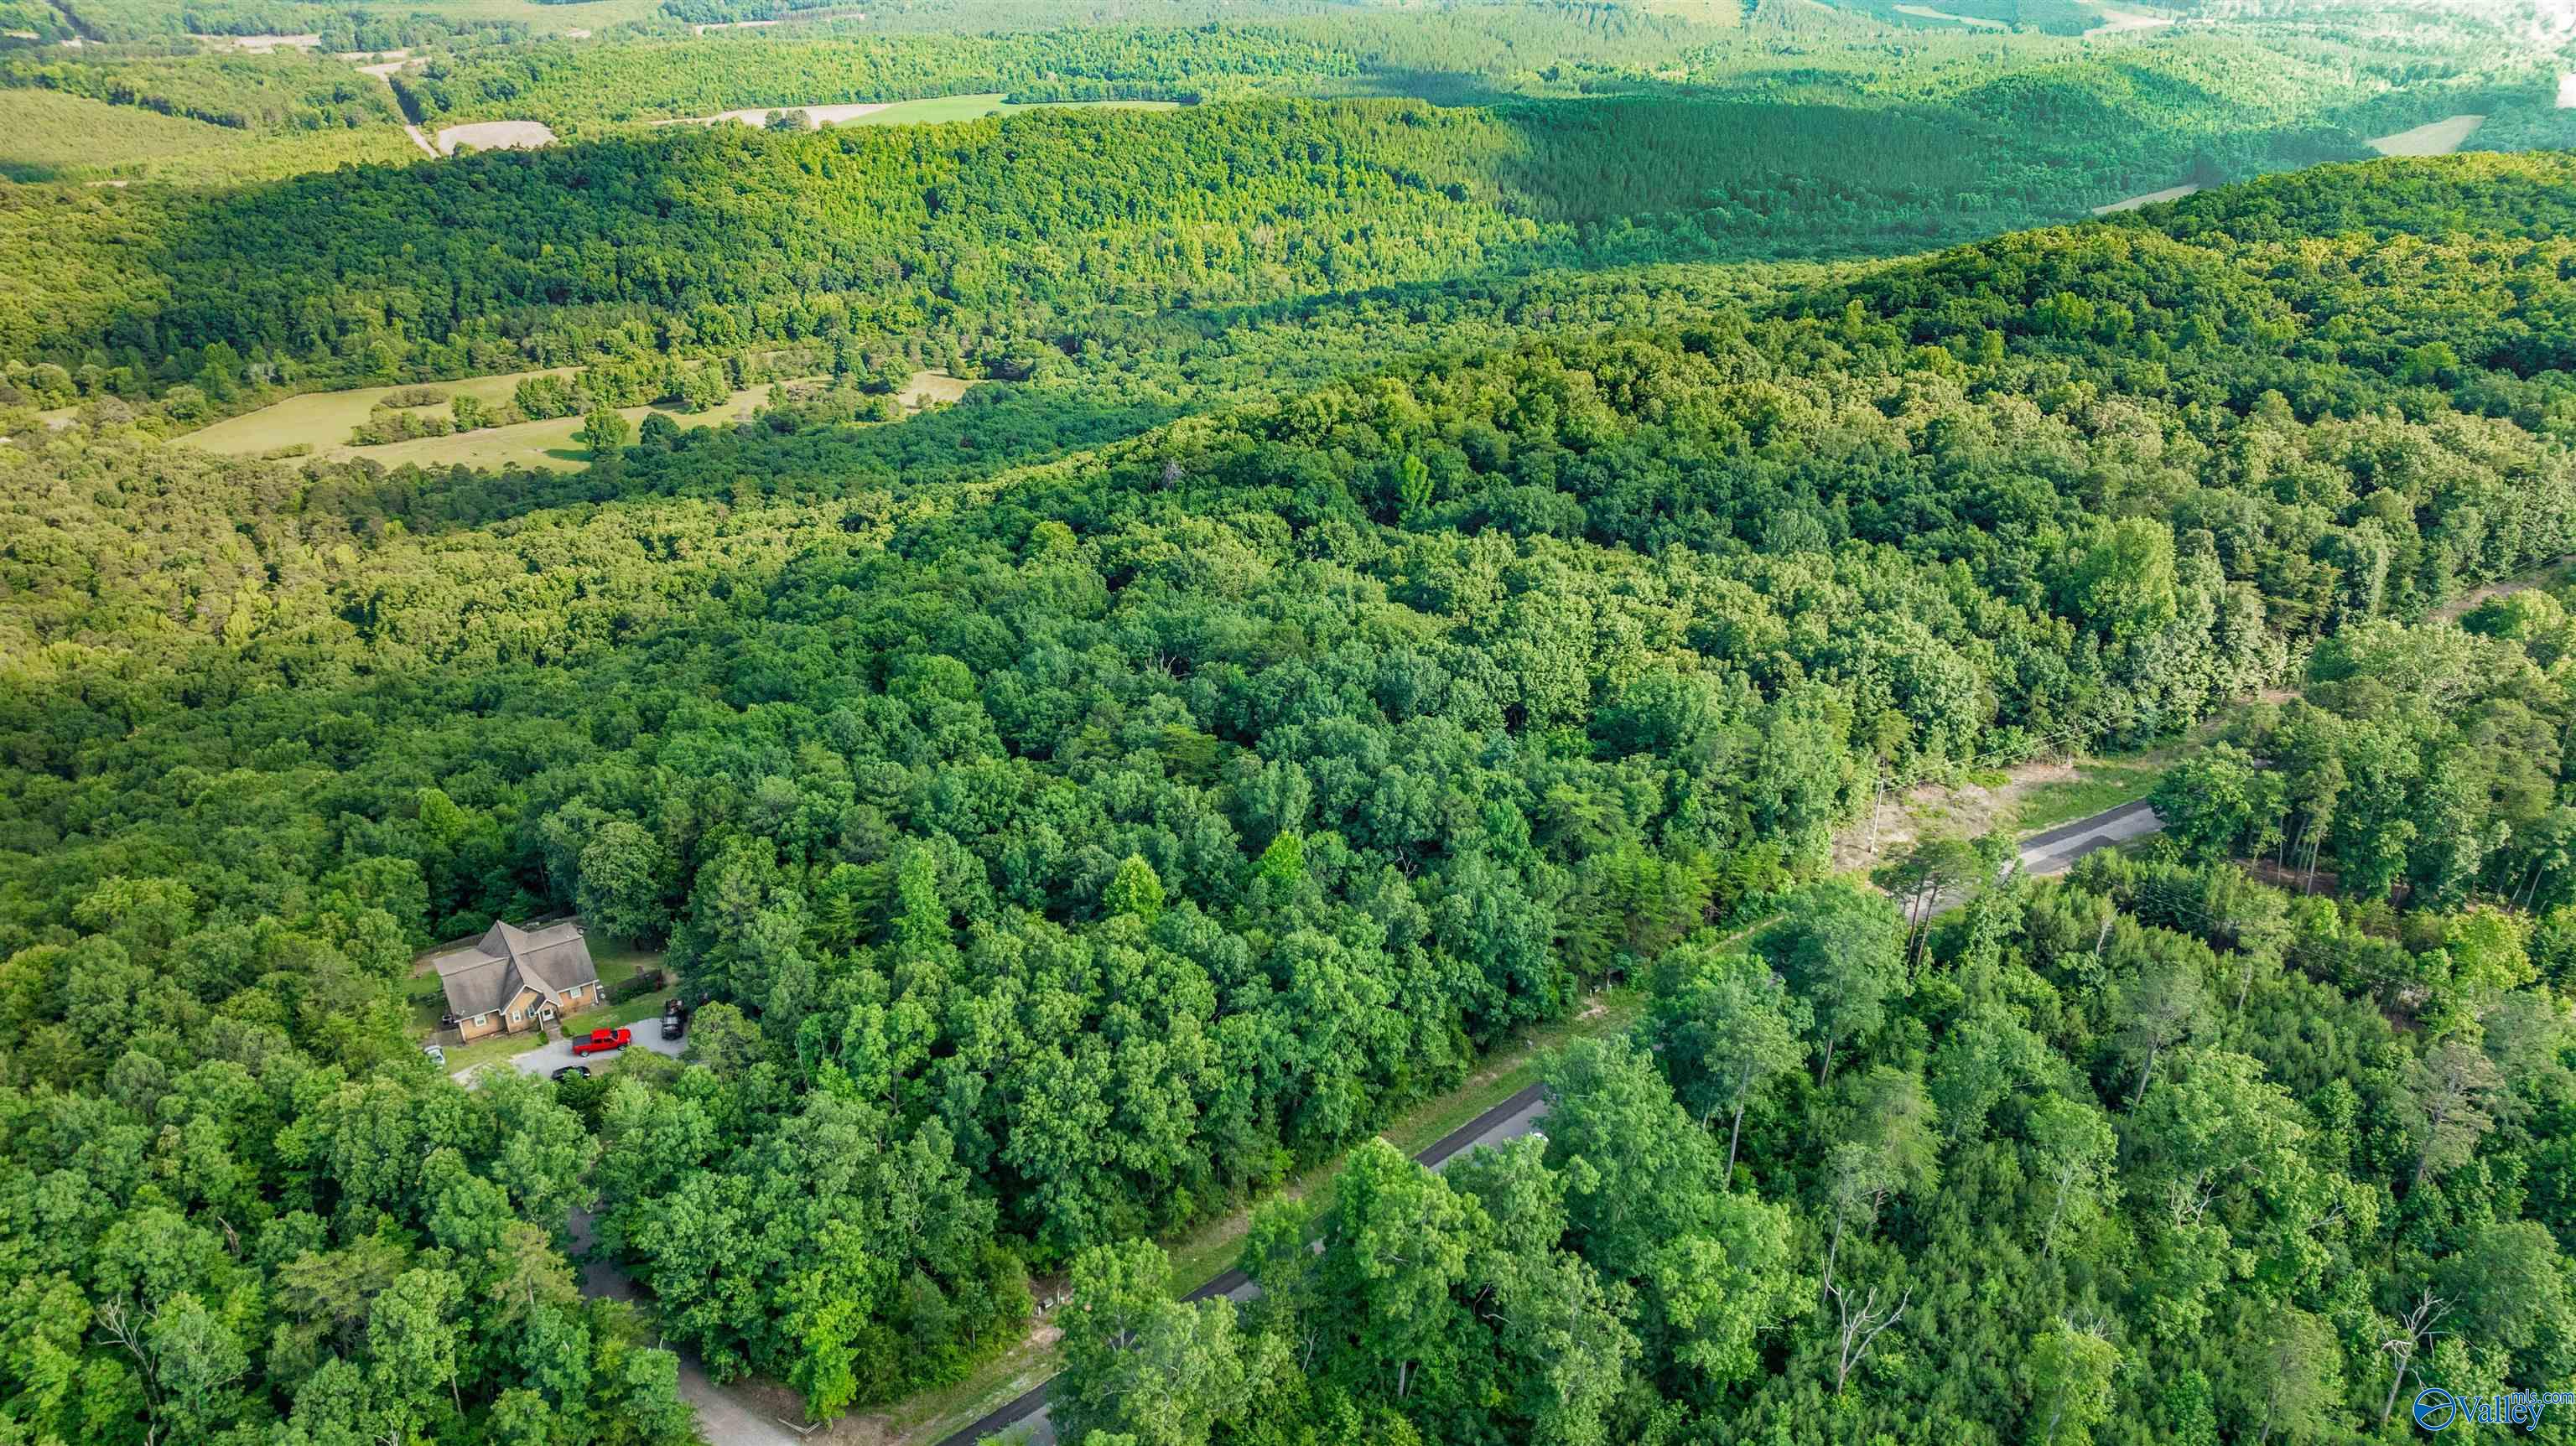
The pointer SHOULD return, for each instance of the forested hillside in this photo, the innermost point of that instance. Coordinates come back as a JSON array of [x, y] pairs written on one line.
[[694, 241], [1061, 854]]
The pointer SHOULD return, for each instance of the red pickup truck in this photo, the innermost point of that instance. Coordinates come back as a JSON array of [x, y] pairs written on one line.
[[601, 1041]]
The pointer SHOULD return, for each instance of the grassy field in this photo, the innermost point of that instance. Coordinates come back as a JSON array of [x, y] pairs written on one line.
[[2440, 138], [927, 388], [543, 444], [494, 136], [2096, 786], [2170, 193], [1926, 12], [970, 107], [934, 111], [321, 421], [152, 15], [591, 15], [46, 135]]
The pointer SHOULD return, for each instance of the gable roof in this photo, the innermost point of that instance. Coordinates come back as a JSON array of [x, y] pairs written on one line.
[[487, 974]]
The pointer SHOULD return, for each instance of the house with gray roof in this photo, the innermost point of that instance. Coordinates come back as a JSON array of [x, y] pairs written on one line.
[[515, 979]]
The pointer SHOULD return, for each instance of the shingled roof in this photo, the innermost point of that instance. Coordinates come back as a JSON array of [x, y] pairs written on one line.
[[490, 973]]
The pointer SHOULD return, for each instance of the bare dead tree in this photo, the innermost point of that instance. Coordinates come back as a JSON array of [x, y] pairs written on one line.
[[1861, 1328], [2415, 1330], [117, 1320]]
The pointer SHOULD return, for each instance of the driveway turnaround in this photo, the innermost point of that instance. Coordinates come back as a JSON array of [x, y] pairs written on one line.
[[555, 1054]]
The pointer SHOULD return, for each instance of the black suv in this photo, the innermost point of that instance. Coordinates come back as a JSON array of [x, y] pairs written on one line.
[[675, 1019]]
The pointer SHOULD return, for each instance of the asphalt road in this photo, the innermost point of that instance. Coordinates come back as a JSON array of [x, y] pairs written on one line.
[[724, 1420], [1513, 1118], [2056, 851], [730, 1422]]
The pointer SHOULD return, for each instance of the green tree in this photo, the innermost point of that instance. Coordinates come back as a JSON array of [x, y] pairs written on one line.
[[2122, 583], [1143, 1366], [2447, 1097], [2162, 1003], [1932, 871], [2294, 1378], [1845, 959], [1724, 1023], [2074, 1152], [1135, 890], [603, 432], [2068, 1371], [622, 871], [1396, 1246]]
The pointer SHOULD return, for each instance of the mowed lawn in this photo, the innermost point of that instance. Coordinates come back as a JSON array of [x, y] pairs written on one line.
[[617, 963]]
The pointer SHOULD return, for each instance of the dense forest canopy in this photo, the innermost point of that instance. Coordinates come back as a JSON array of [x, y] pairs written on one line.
[[1069, 826], [1435, 541], [691, 240]]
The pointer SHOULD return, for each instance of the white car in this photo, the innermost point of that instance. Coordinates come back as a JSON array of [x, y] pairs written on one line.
[[437, 1056]]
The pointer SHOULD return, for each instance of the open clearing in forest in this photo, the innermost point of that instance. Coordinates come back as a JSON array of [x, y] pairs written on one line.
[[263, 44], [2170, 193], [816, 116], [2437, 139], [549, 443], [1926, 12], [2440, 138], [2022, 799], [928, 387], [2552, 576], [321, 422], [933, 111], [2123, 22], [495, 136]]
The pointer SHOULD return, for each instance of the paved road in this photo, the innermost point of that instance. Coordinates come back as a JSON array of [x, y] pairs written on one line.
[[729, 1422], [2051, 852], [1509, 1120], [554, 1054], [2056, 851], [724, 1420]]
